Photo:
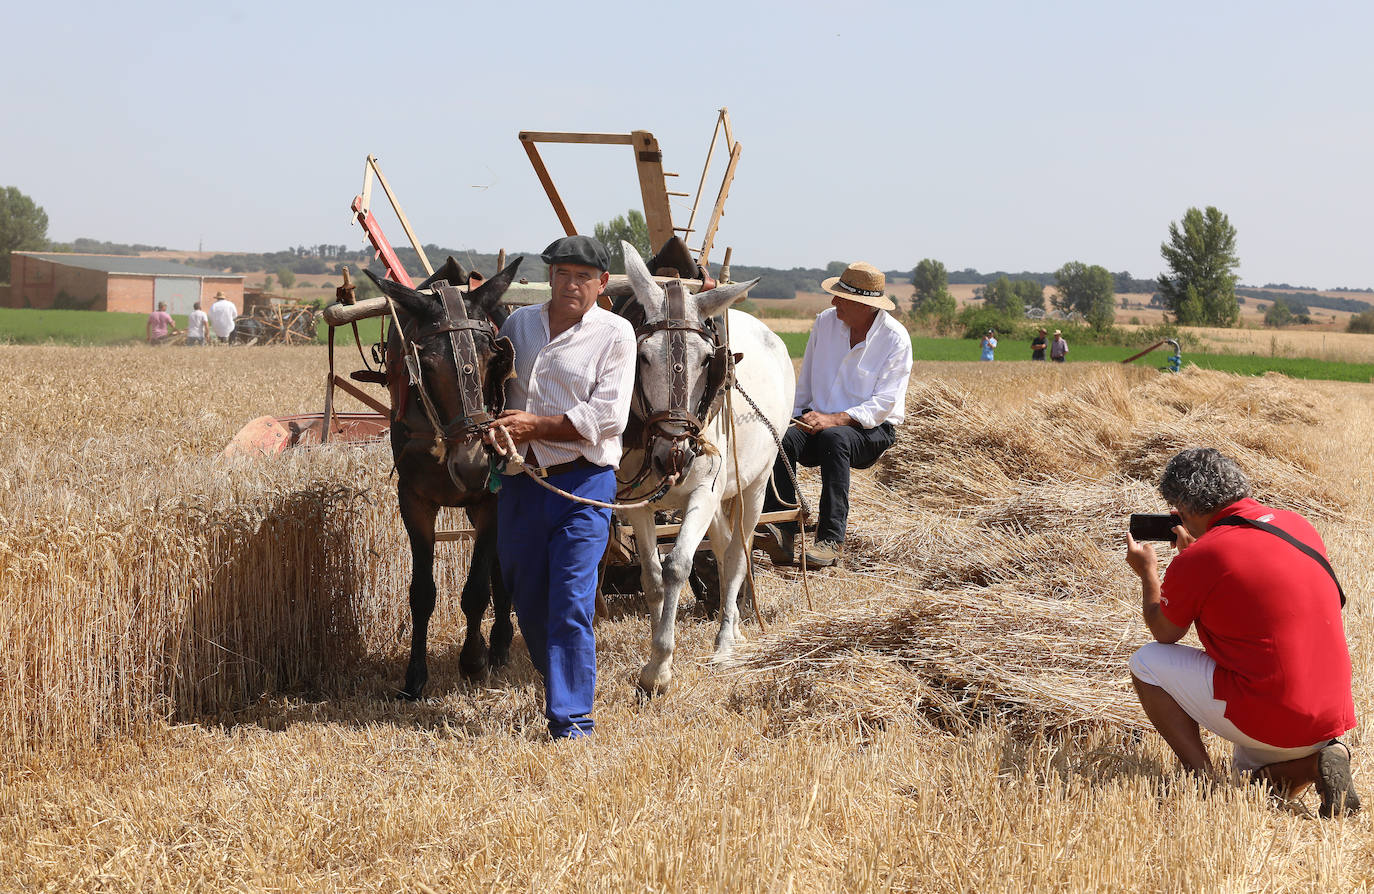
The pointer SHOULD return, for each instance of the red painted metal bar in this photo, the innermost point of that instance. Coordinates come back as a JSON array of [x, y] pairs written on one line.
[[1142, 353], [379, 242]]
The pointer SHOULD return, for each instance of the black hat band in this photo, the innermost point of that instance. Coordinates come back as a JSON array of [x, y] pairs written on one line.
[[854, 290]]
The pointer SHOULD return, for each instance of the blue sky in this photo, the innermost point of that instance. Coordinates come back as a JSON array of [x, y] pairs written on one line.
[[995, 135]]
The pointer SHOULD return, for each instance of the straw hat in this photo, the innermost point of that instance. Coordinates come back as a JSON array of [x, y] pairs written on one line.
[[1057, 332], [863, 283]]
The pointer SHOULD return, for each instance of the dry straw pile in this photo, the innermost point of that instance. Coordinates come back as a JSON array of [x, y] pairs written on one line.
[[1000, 588], [145, 578]]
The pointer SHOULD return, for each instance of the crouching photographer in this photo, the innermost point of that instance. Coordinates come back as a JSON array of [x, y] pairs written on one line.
[[1273, 676]]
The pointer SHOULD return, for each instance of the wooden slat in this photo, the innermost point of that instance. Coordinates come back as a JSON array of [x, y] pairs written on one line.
[[605, 139], [716, 213], [543, 174], [649, 165], [766, 518], [361, 395], [449, 536], [401, 215]]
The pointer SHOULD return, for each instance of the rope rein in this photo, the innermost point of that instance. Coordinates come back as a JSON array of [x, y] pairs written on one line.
[[509, 453]]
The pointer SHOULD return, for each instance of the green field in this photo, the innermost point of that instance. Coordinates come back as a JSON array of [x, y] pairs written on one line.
[[956, 349], [85, 327]]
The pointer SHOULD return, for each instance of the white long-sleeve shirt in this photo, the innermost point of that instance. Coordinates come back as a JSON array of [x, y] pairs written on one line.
[[222, 316], [867, 381], [587, 373]]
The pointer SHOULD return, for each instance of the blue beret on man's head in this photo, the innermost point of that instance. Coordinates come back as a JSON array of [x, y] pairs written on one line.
[[577, 250]]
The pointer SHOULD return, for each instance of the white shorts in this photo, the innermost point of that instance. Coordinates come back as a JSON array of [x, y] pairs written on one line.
[[1186, 674]]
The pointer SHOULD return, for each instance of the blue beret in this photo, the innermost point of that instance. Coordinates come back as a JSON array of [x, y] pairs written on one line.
[[577, 250]]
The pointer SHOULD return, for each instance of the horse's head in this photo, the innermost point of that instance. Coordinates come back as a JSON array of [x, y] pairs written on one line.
[[683, 363], [456, 363]]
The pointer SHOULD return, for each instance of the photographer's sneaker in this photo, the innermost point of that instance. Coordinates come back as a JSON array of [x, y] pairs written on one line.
[[1335, 782], [824, 553]]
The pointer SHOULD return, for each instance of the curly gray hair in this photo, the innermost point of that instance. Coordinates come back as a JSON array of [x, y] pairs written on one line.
[[1203, 480]]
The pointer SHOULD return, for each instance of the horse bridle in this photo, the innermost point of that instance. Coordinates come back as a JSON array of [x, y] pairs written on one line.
[[687, 443], [474, 415]]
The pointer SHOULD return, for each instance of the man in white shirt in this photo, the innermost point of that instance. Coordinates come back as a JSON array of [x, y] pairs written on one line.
[[566, 410], [850, 395], [223, 313], [196, 324]]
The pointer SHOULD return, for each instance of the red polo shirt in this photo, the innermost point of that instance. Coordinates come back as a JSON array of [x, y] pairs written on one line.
[[1270, 617]]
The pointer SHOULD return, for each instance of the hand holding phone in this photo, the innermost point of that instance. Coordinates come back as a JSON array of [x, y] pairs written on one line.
[[1155, 526]]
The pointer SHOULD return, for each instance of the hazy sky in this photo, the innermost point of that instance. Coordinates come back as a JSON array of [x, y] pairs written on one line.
[[996, 135]]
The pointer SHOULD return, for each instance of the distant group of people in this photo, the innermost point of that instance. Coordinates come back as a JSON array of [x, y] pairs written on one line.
[[200, 326], [1059, 348]]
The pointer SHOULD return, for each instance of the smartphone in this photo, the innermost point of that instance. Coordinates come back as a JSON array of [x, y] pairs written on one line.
[[1145, 526]]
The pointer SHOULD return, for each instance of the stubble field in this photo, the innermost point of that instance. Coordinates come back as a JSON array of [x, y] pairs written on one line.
[[195, 693]]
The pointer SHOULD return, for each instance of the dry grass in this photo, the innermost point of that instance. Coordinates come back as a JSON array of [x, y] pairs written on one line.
[[955, 717]]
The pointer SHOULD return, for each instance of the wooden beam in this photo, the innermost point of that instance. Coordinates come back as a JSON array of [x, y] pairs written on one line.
[[705, 169], [543, 174], [401, 215], [719, 210], [456, 534], [604, 139], [767, 518], [362, 395], [649, 165]]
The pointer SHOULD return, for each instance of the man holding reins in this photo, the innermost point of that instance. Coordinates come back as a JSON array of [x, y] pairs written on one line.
[[1273, 676], [567, 407], [850, 395]]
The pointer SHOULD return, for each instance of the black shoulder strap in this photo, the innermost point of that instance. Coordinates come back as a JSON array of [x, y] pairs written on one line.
[[1238, 521]]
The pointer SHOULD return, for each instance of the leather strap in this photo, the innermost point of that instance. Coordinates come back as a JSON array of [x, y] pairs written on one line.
[[1237, 521]]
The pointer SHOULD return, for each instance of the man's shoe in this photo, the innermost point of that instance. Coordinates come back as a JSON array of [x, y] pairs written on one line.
[[780, 545], [1335, 783], [824, 553]]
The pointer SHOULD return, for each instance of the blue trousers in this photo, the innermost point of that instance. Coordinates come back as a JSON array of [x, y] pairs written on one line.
[[550, 550]]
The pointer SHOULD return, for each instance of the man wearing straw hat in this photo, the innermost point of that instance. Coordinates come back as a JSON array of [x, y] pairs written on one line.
[[566, 409], [1273, 676], [850, 395]]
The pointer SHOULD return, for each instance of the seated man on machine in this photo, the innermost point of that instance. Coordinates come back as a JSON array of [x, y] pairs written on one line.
[[850, 395]]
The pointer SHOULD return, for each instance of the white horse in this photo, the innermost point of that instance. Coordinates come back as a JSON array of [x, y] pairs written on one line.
[[686, 430]]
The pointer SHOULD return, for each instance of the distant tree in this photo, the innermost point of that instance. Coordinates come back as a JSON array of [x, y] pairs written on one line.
[[1202, 258], [1001, 296], [267, 283], [1361, 322], [286, 277], [1088, 290], [1031, 292], [632, 228], [835, 268], [23, 227], [930, 297], [1278, 315]]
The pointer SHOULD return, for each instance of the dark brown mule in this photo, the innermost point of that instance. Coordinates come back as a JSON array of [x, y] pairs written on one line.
[[450, 340]]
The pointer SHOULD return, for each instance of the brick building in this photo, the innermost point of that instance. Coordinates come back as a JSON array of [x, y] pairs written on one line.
[[113, 282]]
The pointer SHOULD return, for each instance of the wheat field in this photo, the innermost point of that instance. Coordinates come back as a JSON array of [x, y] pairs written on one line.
[[195, 693]]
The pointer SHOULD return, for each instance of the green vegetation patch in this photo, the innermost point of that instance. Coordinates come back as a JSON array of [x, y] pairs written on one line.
[[956, 349], [25, 326]]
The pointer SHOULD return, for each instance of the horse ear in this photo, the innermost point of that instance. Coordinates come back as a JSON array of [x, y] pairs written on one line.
[[451, 272], [713, 301], [421, 307], [646, 290], [488, 294]]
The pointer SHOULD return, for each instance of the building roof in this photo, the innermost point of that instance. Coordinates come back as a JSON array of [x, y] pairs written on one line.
[[126, 264]]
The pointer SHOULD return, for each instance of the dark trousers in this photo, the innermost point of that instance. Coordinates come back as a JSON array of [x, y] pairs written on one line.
[[550, 550], [836, 451]]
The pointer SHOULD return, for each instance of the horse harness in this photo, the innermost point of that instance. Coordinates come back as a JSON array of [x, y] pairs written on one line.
[[680, 423], [475, 413]]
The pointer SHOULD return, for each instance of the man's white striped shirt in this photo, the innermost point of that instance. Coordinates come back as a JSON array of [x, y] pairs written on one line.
[[587, 372]]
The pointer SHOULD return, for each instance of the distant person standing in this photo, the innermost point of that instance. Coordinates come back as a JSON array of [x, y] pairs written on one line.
[[989, 345], [1059, 349], [1038, 346], [160, 324], [196, 325], [223, 313]]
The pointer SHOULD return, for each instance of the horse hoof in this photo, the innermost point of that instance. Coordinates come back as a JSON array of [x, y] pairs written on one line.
[[473, 670], [651, 683]]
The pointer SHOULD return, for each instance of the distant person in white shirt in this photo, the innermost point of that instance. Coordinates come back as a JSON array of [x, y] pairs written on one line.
[[222, 316], [566, 409], [850, 395], [196, 325]]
